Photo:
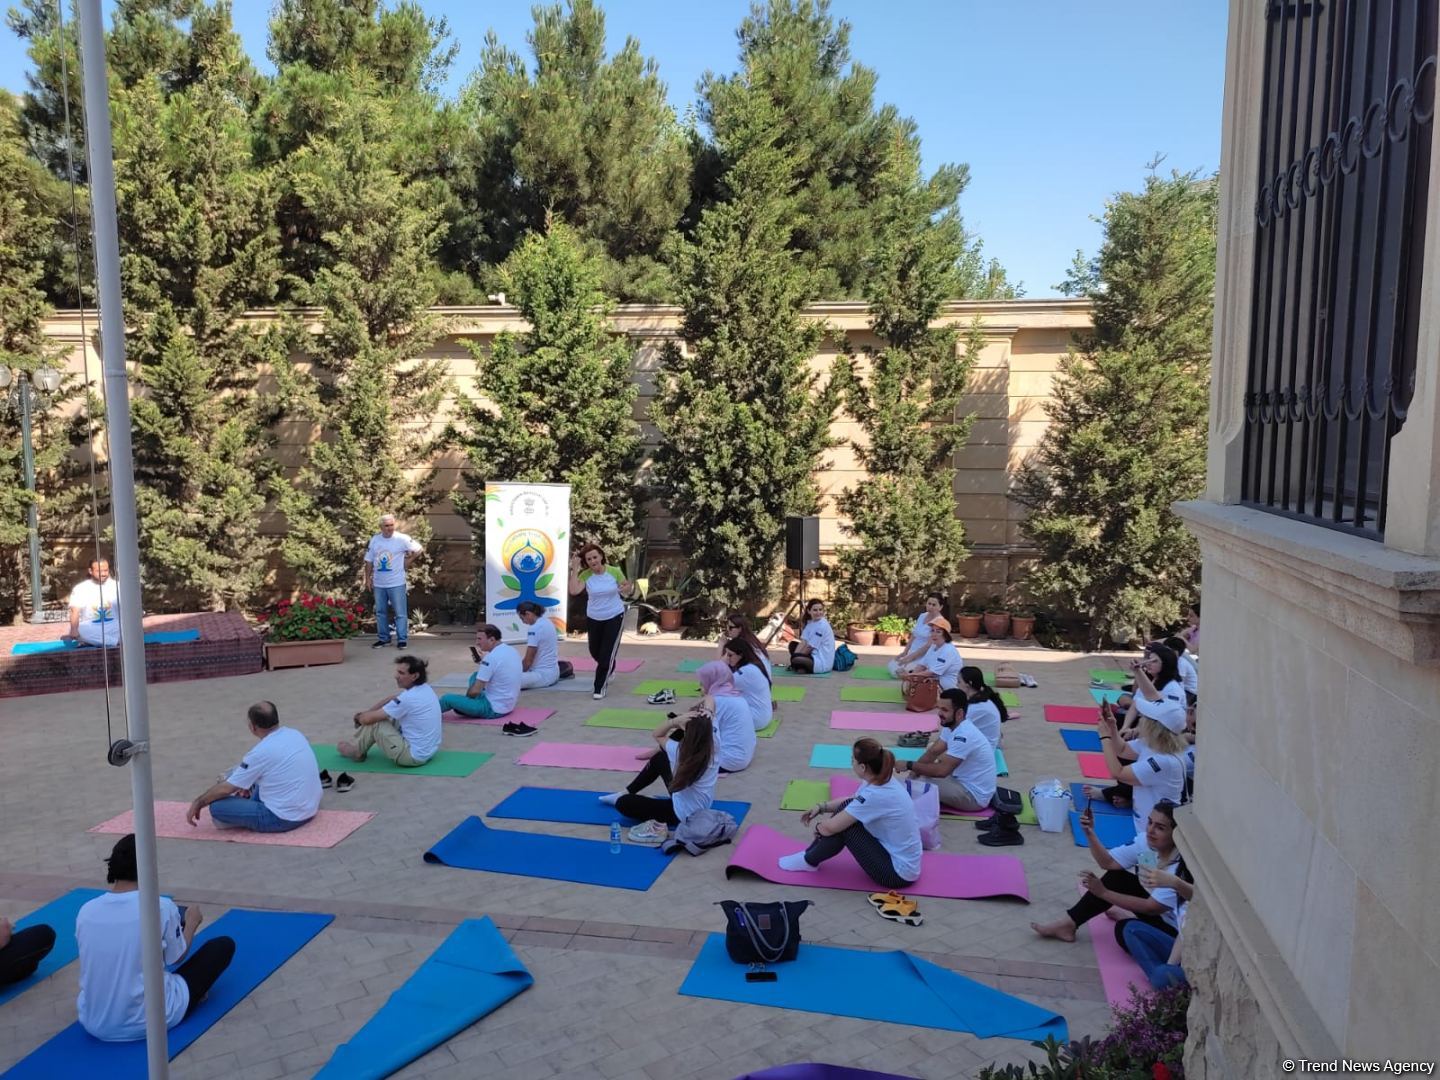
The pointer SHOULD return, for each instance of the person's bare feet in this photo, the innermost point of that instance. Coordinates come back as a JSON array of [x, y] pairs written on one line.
[[349, 749], [1060, 929]]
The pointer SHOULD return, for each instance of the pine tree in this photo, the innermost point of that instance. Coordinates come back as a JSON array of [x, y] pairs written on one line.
[[555, 404], [1128, 420]]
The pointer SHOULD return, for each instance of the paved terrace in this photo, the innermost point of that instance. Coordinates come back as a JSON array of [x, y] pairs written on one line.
[[607, 962]]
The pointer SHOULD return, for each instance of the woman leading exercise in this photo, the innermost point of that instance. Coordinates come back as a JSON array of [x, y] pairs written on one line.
[[605, 588]]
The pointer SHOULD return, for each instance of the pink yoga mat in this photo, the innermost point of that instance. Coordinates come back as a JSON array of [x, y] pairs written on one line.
[[1093, 765], [531, 716], [1072, 714], [585, 663], [875, 721], [1118, 969], [583, 756], [842, 787], [954, 877], [324, 830]]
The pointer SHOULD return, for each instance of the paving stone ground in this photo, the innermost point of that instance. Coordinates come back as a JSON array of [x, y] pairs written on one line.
[[607, 963]]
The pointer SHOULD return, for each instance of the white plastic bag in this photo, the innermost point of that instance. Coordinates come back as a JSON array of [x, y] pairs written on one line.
[[1051, 800], [927, 812]]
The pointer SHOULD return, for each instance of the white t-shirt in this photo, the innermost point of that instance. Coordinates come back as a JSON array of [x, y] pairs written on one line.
[[888, 814], [976, 755], [755, 689], [281, 770], [416, 713], [985, 715], [99, 611], [734, 733], [388, 558], [1169, 710], [821, 639], [1157, 776], [944, 662], [604, 601], [1128, 856], [699, 795], [920, 632], [112, 986], [1189, 674], [500, 670], [545, 640]]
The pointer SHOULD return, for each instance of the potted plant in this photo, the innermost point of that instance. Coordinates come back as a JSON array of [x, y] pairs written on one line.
[[445, 608], [997, 618], [889, 629], [667, 594], [1022, 625], [310, 630], [858, 632], [967, 622]]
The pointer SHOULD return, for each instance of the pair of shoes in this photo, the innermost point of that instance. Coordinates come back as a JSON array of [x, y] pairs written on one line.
[[380, 644], [664, 696], [880, 899], [915, 739], [902, 910], [648, 832], [523, 731], [326, 780], [344, 782], [1004, 831], [1028, 681]]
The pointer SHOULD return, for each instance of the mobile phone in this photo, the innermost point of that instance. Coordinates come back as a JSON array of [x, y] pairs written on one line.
[[760, 976], [475, 654]]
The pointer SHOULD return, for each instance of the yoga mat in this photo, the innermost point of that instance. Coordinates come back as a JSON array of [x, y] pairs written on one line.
[[953, 877], [779, 671], [460, 679], [1002, 767], [1081, 740], [469, 976], [1102, 696], [1093, 766], [578, 807], [155, 637], [690, 688], [444, 763], [816, 1071], [689, 666], [584, 756], [1100, 806], [892, 987], [1111, 829], [622, 666], [878, 694], [472, 845], [803, 794], [1110, 675], [567, 686], [1072, 714], [59, 914], [533, 716], [1010, 698], [839, 755], [264, 940], [630, 719], [842, 787], [326, 829], [875, 672], [845, 720], [1118, 969]]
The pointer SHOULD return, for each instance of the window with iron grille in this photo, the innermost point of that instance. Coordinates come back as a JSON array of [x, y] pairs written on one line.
[[1348, 104]]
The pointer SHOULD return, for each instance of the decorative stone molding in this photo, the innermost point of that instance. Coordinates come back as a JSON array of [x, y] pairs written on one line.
[[1386, 597]]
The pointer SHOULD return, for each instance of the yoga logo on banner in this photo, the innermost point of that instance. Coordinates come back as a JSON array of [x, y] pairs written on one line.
[[527, 545]]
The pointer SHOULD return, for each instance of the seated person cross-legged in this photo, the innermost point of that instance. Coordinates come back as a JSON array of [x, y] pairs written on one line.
[[961, 762], [22, 950], [686, 762], [814, 652], [734, 725], [275, 788], [1149, 767], [919, 643], [987, 712], [405, 726], [940, 661], [495, 687], [541, 663], [751, 679], [95, 608]]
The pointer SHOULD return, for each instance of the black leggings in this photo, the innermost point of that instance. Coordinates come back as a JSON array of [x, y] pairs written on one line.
[[1125, 883], [868, 852], [20, 958], [604, 639], [202, 967], [800, 661], [644, 807]]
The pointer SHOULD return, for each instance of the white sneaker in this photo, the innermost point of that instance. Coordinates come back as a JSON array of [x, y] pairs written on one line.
[[796, 862], [600, 696], [648, 832], [612, 798]]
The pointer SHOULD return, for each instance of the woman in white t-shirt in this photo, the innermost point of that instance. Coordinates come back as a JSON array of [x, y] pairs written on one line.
[[1185, 665], [540, 666], [940, 661], [605, 590], [1147, 768], [734, 728], [919, 642], [751, 679], [877, 825], [986, 711], [738, 626], [687, 763], [814, 653]]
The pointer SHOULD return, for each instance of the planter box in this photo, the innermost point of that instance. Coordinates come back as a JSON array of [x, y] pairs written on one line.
[[889, 641], [284, 654]]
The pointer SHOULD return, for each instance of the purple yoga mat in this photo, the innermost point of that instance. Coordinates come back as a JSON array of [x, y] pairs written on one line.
[[1118, 969], [583, 756], [842, 787], [813, 1071], [876, 721], [585, 663], [953, 877], [515, 716]]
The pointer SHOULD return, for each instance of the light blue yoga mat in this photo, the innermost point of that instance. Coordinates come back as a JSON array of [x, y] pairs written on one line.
[[59, 915], [892, 987], [472, 845], [155, 637], [1081, 740], [1111, 829], [1100, 806], [469, 976], [1002, 767], [577, 807], [1102, 696], [264, 940], [838, 755]]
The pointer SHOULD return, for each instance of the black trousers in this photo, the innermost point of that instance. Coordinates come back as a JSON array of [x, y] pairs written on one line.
[[20, 958], [800, 661], [603, 636], [868, 852], [1125, 883], [202, 967], [644, 807]]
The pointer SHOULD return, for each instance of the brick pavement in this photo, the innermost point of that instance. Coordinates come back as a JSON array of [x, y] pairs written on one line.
[[606, 962]]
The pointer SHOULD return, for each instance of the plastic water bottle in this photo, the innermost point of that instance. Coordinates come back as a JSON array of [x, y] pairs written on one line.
[[614, 838]]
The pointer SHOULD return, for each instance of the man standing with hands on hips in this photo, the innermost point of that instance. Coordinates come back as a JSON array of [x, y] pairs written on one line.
[[386, 558]]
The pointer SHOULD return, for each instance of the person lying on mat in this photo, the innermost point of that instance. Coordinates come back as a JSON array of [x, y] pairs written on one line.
[[734, 726], [738, 626], [686, 761], [540, 666], [961, 761], [1120, 886], [940, 661], [1185, 664], [751, 679], [1147, 768], [986, 711], [814, 653], [877, 825], [111, 1004], [275, 788], [495, 686], [405, 726], [919, 643], [95, 608], [22, 950]]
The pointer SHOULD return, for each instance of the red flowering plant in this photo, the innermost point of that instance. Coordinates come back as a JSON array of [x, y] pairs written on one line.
[[314, 618]]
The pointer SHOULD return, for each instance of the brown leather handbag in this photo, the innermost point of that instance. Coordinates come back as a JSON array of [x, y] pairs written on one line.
[[921, 695]]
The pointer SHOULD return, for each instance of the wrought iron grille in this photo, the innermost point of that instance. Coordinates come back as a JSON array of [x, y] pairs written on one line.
[[1346, 114]]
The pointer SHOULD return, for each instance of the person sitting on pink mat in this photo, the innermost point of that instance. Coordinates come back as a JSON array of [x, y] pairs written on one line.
[[275, 788]]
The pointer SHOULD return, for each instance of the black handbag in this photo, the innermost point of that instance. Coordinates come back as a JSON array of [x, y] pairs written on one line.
[[759, 934]]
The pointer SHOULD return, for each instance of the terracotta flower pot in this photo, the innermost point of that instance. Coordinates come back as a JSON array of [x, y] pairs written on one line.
[[967, 625], [671, 619], [286, 654], [860, 635], [1022, 627], [889, 641], [997, 624]]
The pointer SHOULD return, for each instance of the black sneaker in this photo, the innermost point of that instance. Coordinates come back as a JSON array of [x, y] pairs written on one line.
[[986, 824], [380, 645], [1003, 838], [521, 731], [326, 780], [344, 782], [402, 644]]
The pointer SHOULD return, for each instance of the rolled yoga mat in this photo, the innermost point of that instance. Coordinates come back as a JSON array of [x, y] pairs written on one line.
[[578, 807], [154, 637], [1072, 714], [892, 987], [690, 688], [584, 756], [326, 829], [264, 940], [1112, 830], [469, 976], [1081, 740], [954, 877], [534, 716], [472, 845], [444, 763], [59, 914]]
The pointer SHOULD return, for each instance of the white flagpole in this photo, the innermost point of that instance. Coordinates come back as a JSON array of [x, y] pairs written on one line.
[[127, 542]]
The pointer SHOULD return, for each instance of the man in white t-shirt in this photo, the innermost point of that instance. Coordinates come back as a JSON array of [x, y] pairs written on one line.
[[95, 608], [961, 762], [495, 686], [405, 726], [388, 554], [541, 662], [111, 1004], [275, 788]]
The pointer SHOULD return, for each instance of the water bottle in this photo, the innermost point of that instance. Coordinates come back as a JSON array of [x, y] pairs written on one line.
[[614, 838]]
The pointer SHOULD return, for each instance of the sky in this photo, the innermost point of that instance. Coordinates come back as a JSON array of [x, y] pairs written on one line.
[[1055, 105]]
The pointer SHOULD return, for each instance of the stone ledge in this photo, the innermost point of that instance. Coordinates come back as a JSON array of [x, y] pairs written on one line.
[[1386, 597]]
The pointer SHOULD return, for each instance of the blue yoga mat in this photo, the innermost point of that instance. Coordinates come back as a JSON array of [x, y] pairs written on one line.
[[838, 755], [155, 637], [469, 976], [59, 915], [471, 845], [1002, 767], [263, 941], [1100, 806], [577, 807], [892, 987], [1080, 740], [1112, 829], [1102, 696]]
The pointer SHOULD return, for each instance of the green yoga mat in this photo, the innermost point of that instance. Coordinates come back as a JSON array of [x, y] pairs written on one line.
[[878, 672], [768, 731], [1110, 675], [630, 719], [803, 794], [687, 666], [873, 694], [1010, 698], [444, 763], [776, 671], [690, 688]]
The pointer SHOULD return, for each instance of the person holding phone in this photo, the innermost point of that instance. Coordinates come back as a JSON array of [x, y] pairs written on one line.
[[605, 589]]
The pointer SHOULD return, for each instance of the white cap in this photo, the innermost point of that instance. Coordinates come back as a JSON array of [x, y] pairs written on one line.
[[1168, 712]]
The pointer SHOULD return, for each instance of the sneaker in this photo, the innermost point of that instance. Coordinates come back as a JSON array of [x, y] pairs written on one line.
[[402, 644], [344, 782], [520, 731], [665, 696], [987, 824], [508, 727], [1002, 838], [599, 695], [648, 832], [914, 739], [326, 780], [380, 644]]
